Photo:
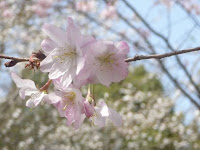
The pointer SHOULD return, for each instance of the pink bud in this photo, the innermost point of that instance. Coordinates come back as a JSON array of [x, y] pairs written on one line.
[[89, 108]]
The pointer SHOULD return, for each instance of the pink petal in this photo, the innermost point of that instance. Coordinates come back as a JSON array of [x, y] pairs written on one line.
[[70, 115], [104, 74], [86, 42], [89, 109], [99, 121], [123, 48], [73, 33], [48, 45], [78, 123], [57, 35], [120, 70], [54, 97], [46, 64]]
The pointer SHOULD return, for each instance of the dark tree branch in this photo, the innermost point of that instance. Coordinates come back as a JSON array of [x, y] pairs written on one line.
[[14, 58]]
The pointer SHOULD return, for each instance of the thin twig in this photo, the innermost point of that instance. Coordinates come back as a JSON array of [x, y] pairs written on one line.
[[14, 58], [166, 41], [160, 56], [135, 58], [46, 86]]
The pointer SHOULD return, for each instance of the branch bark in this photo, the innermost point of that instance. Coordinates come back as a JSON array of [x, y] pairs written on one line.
[[135, 58], [14, 58], [160, 56]]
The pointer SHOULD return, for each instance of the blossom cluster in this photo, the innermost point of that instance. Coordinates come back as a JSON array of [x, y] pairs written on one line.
[[41, 6], [74, 60]]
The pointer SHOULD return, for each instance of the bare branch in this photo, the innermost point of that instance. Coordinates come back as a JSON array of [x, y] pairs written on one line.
[[160, 56], [14, 58], [166, 41]]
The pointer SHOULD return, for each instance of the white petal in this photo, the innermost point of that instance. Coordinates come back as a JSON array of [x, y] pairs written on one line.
[[27, 91], [80, 64], [65, 81], [55, 72], [103, 109], [22, 82], [33, 102], [115, 117], [99, 121]]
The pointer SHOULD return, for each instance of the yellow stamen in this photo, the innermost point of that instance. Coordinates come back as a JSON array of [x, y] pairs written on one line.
[[106, 59], [63, 56], [70, 96], [44, 91], [65, 107]]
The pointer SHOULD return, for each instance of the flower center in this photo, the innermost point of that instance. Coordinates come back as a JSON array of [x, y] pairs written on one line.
[[70, 97], [106, 59], [63, 55]]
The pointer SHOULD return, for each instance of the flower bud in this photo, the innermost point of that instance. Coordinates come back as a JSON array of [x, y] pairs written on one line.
[[11, 63]]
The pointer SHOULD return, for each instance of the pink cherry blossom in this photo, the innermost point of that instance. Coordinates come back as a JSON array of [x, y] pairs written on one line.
[[41, 7], [105, 63], [7, 13], [69, 104], [67, 58], [28, 88], [102, 112]]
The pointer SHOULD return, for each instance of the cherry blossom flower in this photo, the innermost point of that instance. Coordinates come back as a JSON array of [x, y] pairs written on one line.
[[102, 112], [28, 88], [69, 104], [67, 58], [105, 63], [8, 13], [41, 7]]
